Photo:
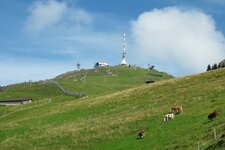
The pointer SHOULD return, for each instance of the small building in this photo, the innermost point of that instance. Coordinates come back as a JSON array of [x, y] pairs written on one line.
[[15, 101], [100, 64]]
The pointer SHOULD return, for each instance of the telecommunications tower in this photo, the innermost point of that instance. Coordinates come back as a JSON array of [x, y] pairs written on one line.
[[124, 62]]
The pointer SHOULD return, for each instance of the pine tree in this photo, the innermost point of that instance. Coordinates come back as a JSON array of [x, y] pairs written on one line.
[[223, 65], [215, 66], [219, 65], [209, 67]]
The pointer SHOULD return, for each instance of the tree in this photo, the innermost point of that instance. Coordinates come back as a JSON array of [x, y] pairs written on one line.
[[222, 64], [150, 67], [219, 65], [78, 66], [214, 66], [209, 67]]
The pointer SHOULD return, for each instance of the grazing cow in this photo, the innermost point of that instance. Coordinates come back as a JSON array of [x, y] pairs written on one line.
[[168, 117], [177, 109], [141, 134], [212, 115]]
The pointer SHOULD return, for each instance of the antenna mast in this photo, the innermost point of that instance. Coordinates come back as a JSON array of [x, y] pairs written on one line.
[[124, 62]]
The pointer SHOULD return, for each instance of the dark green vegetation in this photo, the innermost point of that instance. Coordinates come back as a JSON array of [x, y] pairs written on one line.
[[216, 66], [113, 113]]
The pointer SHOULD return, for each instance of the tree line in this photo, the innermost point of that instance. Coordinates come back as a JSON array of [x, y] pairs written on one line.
[[215, 66]]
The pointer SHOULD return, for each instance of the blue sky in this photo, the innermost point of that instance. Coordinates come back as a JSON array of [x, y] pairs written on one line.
[[42, 39]]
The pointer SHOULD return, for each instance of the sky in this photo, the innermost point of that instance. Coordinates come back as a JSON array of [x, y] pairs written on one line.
[[40, 39]]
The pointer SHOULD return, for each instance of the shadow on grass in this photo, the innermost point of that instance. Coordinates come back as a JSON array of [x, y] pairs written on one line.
[[208, 121], [138, 138]]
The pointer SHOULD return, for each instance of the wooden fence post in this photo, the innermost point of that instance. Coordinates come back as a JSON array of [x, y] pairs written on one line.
[[215, 134], [198, 146]]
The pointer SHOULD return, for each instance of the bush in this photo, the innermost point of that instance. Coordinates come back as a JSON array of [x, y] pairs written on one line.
[[214, 66], [209, 67]]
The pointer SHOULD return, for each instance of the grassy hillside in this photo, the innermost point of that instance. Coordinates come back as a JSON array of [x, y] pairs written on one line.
[[97, 82], [112, 120], [103, 80]]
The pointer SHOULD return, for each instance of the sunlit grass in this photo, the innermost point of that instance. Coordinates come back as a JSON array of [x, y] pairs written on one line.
[[112, 120]]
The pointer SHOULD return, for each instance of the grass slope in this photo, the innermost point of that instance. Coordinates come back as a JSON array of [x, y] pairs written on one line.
[[117, 78], [112, 120], [103, 80]]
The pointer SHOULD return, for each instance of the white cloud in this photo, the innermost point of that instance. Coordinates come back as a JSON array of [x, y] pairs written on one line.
[[80, 16], [44, 14], [182, 40]]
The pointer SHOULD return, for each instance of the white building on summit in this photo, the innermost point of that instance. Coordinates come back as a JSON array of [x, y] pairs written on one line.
[[100, 64], [124, 62]]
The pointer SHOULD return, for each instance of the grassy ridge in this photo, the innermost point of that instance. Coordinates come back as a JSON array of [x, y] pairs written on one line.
[[117, 78], [112, 120], [103, 81]]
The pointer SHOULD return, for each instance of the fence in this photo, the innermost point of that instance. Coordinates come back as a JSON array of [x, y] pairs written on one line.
[[66, 92], [211, 144], [16, 108]]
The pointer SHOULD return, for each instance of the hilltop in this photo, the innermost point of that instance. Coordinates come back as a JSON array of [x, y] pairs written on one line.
[[92, 82], [112, 118]]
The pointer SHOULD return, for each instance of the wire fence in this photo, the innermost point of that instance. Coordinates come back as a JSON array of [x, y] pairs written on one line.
[[213, 142], [16, 108], [65, 91]]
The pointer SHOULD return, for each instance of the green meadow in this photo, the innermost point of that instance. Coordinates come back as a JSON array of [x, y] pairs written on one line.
[[118, 104]]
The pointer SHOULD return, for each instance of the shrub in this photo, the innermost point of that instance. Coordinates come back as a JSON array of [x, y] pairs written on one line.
[[209, 67]]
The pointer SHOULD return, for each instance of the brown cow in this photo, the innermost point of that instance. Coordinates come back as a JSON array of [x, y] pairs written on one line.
[[177, 109], [212, 115], [141, 134]]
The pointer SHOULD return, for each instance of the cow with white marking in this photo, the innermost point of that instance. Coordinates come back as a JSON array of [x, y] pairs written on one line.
[[168, 117]]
